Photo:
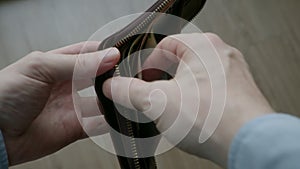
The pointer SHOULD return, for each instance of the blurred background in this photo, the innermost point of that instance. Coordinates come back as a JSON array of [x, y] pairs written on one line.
[[266, 32]]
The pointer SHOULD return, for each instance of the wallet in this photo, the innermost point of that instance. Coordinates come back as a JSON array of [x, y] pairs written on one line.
[[129, 40]]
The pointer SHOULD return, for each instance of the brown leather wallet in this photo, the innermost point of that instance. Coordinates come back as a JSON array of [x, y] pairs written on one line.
[[128, 40]]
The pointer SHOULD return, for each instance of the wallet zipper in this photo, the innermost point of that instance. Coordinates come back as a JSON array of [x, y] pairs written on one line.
[[162, 7]]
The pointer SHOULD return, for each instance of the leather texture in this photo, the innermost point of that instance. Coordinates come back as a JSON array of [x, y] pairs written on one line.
[[185, 9]]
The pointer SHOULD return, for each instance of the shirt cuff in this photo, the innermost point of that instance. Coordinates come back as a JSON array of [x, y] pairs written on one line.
[[270, 141], [3, 153]]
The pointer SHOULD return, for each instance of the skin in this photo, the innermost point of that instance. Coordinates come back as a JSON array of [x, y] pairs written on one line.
[[37, 115], [244, 100]]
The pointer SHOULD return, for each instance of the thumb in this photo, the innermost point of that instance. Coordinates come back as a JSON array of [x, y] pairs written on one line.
[[146, 97], [49, 67]]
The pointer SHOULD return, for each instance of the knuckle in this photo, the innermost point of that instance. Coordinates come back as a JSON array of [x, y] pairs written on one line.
[[213, 38], [37, 66], [35, 60], [36, 54], [235, 53], [141, 92], [236, 56], [169, 40]]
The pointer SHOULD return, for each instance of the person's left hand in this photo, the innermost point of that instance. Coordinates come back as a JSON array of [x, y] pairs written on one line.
[[37, 115]]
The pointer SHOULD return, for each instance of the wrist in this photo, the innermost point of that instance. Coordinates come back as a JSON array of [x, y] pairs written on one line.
[[220, 142]]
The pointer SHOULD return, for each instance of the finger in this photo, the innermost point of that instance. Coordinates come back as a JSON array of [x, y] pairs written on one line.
[[183, 47], [170, 50], [82, 47], [58, 67], [136, 94], [197, 52], [91, 65], [167, 53], [94, 126]]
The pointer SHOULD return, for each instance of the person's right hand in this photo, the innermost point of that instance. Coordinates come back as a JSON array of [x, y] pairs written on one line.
[[244, 101]]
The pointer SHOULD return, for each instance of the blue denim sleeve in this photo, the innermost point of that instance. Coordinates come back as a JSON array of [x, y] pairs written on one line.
[[3, 154], [268, 142]]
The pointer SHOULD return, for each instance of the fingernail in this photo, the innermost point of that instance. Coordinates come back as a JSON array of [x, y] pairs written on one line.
[[111, 54]]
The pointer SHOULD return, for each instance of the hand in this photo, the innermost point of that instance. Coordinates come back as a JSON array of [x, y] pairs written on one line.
[[37, 114], [244, 101]]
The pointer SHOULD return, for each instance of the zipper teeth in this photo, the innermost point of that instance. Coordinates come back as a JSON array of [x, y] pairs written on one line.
[[117, 72], [145, 22], [133, 145], [139, 27]]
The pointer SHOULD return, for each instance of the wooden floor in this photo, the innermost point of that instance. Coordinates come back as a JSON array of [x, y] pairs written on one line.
[[265, 31]]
